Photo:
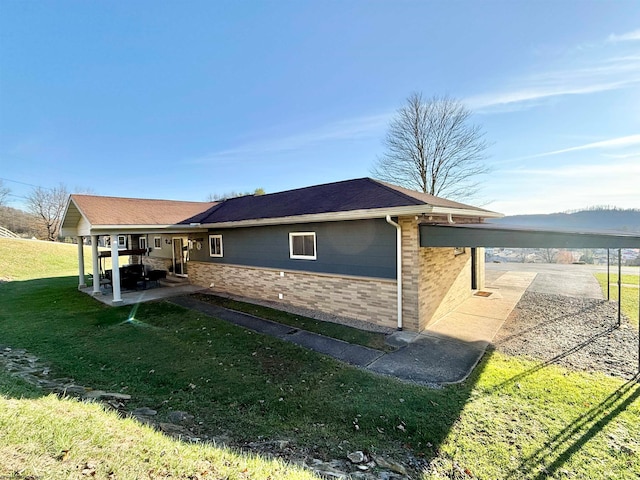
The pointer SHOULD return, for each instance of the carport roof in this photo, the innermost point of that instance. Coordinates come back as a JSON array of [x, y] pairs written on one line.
[[493, 235]]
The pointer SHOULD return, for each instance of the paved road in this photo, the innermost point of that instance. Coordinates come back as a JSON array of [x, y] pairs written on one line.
[[570, 280]]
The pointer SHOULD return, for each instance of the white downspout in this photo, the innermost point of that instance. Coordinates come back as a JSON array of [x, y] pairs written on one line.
[[398, 267]]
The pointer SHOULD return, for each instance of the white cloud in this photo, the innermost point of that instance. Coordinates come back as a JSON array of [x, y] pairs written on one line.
[[599, 171], [342, 130], [600, 67], [548, 190], [625, 37], [613, 143], [610, 74]]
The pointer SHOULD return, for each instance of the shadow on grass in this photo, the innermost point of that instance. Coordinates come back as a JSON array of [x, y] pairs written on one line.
[[574, 436], [238, 383]]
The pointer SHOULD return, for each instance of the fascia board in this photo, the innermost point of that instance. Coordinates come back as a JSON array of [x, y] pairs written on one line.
[[353, 215], [107, 229], [467, 212]]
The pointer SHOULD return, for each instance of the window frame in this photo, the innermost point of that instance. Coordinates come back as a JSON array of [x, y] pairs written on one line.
[[122, 242], [293, 256], [143, 239], [211, 253], [157, 243]]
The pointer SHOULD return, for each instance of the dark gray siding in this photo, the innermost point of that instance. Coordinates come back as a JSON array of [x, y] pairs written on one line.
[[359, 247]]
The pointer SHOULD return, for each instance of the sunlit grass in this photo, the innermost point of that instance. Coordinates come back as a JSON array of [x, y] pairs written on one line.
[[630, 293], [50, 438], [27, 259]]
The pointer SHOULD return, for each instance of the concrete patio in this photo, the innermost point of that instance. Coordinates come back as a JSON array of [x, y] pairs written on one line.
[[131, 297]]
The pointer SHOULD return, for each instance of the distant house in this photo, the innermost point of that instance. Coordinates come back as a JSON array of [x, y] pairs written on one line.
[[349, 248]]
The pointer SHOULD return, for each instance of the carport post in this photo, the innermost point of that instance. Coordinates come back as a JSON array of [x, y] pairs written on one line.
[[619, 284], [608, 279]]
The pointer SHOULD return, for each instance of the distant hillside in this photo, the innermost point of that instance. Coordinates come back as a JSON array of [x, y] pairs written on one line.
[[592, 219]]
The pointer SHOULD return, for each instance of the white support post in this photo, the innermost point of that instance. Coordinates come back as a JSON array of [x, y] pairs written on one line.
[[115, 270], [94, 258], [81, 280]]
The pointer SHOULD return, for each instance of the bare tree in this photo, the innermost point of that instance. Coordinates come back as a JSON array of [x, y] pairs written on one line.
[[48, 204], [4, 193], [216, 197], [549, 255], [431, 146]]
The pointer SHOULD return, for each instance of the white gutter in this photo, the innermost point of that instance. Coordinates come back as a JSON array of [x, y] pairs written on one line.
[[398, 267]]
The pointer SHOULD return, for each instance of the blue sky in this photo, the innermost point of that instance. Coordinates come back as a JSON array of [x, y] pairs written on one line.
[[182, 99]]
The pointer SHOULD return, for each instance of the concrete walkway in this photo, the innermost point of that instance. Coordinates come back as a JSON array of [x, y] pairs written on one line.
[[450, 348], [446, 352], [141, 296]]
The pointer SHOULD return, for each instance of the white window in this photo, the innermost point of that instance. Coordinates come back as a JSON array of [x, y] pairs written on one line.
[[122, 241], [215, 245], [302, 245], [157, 242], [142, 243]]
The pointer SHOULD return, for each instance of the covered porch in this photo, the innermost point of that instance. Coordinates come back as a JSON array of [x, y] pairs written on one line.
[[123, 280], [149, 231]]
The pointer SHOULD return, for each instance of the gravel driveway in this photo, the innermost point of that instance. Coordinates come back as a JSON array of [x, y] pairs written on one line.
[[577, 333]]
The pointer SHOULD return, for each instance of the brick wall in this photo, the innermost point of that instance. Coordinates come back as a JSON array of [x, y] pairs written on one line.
[[369, 299], [435, 280], [480, 268], [157, 263], [410, 273], [445, 282]]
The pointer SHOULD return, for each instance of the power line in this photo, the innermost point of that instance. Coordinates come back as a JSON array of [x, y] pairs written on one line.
[[23, 183]]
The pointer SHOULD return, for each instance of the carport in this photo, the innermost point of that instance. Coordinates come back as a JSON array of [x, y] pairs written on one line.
[[476, 235]]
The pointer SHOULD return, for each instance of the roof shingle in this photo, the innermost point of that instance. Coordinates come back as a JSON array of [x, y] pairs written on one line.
[[348, 195], [136, 211]]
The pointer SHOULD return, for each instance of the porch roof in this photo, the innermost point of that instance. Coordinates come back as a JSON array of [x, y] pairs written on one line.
[[87, 213]]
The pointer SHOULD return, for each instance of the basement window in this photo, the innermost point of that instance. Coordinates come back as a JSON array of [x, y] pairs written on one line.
[[302, 245], [215, 246]]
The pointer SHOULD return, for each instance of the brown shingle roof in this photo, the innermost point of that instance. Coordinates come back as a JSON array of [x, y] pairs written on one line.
[[136, 211]]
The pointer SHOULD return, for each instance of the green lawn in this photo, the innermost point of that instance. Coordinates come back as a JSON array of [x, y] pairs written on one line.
[[510, 419], [49, 438], [629, 293]]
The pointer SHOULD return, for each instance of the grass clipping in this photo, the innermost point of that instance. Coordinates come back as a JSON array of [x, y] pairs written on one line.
[[57, 438]]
